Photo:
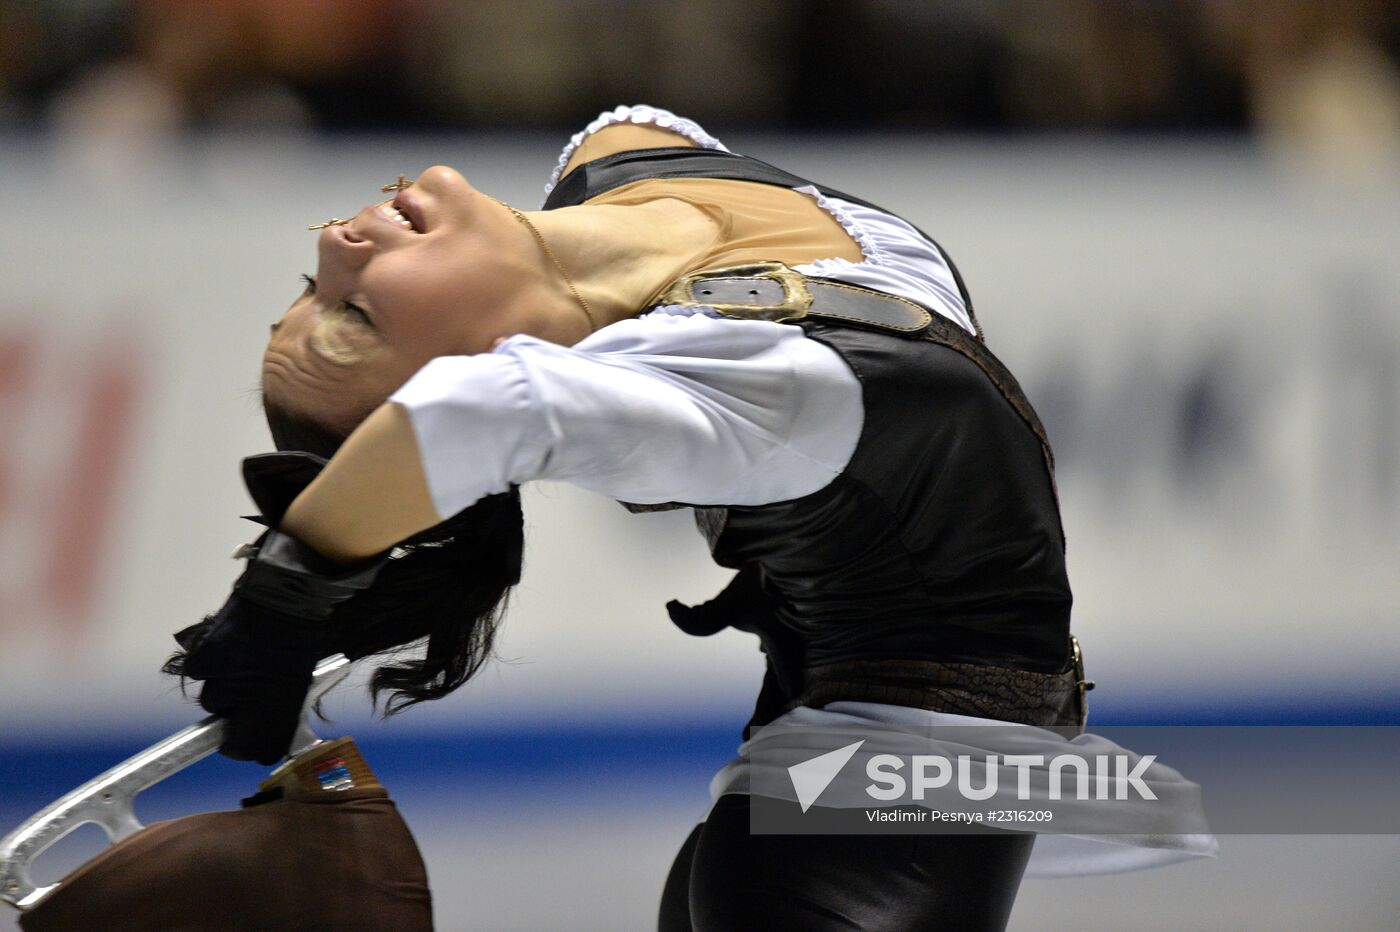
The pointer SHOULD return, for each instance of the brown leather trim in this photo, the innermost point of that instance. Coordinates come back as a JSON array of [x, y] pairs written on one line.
[[985, 691]]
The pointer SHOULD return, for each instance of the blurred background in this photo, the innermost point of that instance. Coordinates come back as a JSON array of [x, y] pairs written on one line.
[[1178, 221]]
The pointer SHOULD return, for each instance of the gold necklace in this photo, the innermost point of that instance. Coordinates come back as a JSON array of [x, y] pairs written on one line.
[[587, 312]]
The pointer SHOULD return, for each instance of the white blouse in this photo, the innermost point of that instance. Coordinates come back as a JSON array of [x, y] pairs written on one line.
[[675, 406]]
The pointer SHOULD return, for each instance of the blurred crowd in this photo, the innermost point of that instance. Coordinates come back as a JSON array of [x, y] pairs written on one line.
[[1323, 72]]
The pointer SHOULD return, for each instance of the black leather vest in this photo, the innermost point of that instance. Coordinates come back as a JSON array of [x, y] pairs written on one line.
[[941, 541]]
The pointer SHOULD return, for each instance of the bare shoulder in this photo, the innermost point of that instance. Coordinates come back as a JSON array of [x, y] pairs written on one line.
[[621, 137]]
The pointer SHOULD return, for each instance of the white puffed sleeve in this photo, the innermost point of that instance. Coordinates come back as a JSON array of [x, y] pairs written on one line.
[[675, 406]]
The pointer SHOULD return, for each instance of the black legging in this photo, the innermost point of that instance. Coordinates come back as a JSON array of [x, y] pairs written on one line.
[[727, 880]]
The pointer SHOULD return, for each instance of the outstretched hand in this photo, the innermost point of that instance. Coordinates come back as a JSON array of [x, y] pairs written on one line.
[[256, 668], [256, 654]]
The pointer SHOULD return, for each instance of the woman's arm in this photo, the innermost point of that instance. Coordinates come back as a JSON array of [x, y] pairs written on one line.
[[665, 408], [371, 495]]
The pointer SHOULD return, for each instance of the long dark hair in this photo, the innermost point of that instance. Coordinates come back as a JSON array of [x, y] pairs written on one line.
[[447, 586]]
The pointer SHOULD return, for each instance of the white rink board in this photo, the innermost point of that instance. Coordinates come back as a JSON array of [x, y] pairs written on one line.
[[1247, 553]]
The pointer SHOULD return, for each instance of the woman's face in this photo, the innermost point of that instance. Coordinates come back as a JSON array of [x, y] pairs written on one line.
[[389, 296]]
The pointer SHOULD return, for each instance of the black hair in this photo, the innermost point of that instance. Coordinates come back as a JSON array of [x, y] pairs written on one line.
[[445, 589]]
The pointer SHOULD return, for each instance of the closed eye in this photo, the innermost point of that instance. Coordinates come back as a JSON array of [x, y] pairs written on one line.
[[351, 308]]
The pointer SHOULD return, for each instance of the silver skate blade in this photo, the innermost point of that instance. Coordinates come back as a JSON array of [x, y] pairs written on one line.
[[108, 798]]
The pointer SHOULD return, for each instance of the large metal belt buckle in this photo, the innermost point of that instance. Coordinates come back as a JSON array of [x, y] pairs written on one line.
[[1081, 683], [797, 297]]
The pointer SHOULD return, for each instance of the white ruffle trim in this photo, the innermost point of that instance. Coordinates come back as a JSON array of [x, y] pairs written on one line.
[[870, 248], [687, 310], [641, 114]]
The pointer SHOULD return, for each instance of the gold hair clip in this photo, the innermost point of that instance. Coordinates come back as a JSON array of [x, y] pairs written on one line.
[[333, 222], [396, 185]]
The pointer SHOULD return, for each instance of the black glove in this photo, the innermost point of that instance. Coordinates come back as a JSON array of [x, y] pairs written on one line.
[[745, 605], [274, 480], [742, 604], [257, 653]]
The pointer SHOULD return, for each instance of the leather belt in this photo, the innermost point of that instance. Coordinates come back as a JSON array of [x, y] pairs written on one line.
[[1001, 693], [772, 291]]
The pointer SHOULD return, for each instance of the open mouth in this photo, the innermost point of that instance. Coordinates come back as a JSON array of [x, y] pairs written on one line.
[[401, 217], [405, 210]]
